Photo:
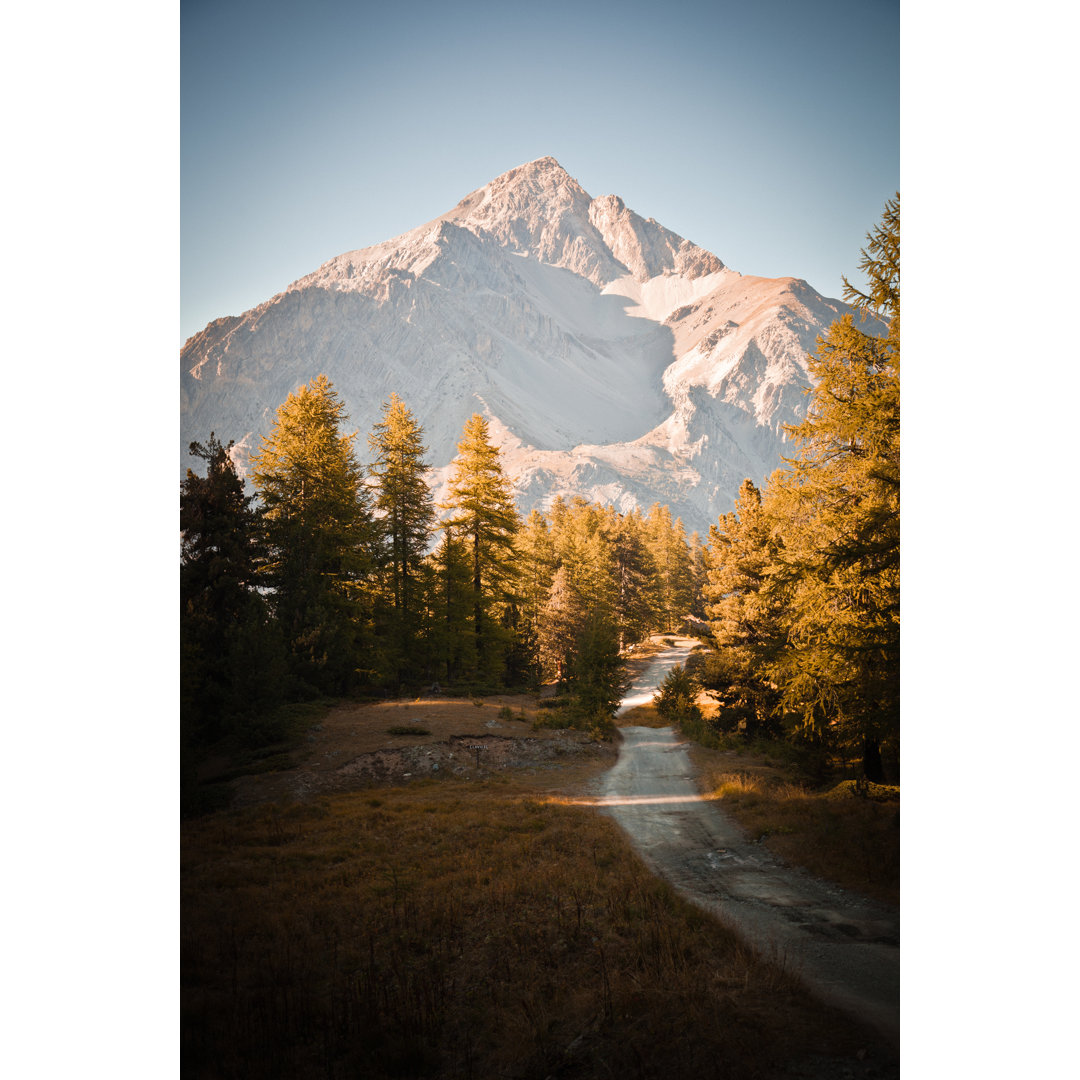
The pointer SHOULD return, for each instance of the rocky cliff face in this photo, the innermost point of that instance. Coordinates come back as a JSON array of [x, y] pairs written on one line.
[[613, 358]]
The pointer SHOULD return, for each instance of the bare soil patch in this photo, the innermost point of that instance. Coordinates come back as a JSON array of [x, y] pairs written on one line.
[[352, 748]]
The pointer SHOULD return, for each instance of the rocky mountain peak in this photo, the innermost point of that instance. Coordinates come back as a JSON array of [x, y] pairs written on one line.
[[614, 358], [644, 246], [541, 211]]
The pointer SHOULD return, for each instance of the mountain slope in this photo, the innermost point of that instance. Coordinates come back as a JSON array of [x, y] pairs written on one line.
[[614, 359]]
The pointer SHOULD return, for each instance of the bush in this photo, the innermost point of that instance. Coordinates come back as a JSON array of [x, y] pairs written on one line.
[[677, 704], [553, 703], [553, 718], [597, 725], [678, 696], [598, 672]]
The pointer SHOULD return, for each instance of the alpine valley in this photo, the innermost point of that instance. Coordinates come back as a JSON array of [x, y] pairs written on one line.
[[612, 358]]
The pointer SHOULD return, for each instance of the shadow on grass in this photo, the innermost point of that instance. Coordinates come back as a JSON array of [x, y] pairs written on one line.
[[454, 931]]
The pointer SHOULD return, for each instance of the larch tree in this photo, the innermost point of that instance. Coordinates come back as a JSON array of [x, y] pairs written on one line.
[[450, 607], [562, 620], [483, 514], [632, 571], [839, 501], [320, 535], [535, 553], [405, 515], [698, 573], [747, 627], [598, 671], [673, 575]]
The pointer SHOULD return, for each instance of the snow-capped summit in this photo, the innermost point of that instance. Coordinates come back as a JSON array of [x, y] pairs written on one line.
[[614, 358]]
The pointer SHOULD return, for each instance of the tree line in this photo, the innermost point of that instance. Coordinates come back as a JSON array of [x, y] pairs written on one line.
[[337, 579], [803, 580]]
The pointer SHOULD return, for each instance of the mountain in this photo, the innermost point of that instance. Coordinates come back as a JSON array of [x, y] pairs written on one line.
[[612, 358]]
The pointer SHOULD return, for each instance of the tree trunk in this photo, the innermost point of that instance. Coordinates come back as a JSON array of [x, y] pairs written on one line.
[[872, 767]]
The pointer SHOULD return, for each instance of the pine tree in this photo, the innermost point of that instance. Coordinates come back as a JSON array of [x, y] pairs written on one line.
[[633, 569], [746, 625], [484, 515], [839, 501], [406, 515], [595, 570], [673, 575], [535, 553], [450, 605], [219, 536], [232, 658], [599, 674], [561, 623], [320, 535], [698, 574]]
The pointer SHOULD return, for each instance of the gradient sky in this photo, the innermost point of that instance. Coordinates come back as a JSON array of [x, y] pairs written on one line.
[[766, 131]]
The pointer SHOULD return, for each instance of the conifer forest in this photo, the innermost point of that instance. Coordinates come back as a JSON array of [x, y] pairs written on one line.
[[333, 573]]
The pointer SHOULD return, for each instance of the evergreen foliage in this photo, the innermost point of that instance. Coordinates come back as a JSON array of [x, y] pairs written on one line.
[[633, 569], [485, 517], [672, 577], [320, 537], [222, 617], [598, 681], [804, 585], [747, 625], [838, 574], [405, 515], [453, 649], [562, 620], [677, 700], [232, 660], [535, 556]]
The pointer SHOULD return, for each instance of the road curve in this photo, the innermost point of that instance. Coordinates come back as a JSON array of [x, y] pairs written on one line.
[[845, 948]]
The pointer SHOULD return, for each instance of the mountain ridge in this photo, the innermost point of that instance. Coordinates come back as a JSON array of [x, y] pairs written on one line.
[[614, 358]]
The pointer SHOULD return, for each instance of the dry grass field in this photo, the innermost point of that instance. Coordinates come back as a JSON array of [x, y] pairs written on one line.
[[466, 922], [471, 928]]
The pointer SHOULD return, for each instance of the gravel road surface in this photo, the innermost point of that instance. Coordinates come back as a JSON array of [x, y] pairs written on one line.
[[845, 948]]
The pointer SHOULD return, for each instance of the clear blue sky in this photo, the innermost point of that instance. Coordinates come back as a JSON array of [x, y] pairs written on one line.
[[766, 131]]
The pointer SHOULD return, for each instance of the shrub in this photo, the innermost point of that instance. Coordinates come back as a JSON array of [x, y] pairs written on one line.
[[678, 696], [553, 718], [407, 729], [553, 703]]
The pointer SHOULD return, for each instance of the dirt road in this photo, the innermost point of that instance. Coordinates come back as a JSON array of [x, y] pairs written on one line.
[[845, 948]]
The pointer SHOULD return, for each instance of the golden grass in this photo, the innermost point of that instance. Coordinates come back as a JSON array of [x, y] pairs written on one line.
[[642, 716], [835, 834], [456, 930], [359, 729]]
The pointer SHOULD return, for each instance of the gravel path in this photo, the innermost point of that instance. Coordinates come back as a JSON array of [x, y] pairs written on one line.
[[845, 948]]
